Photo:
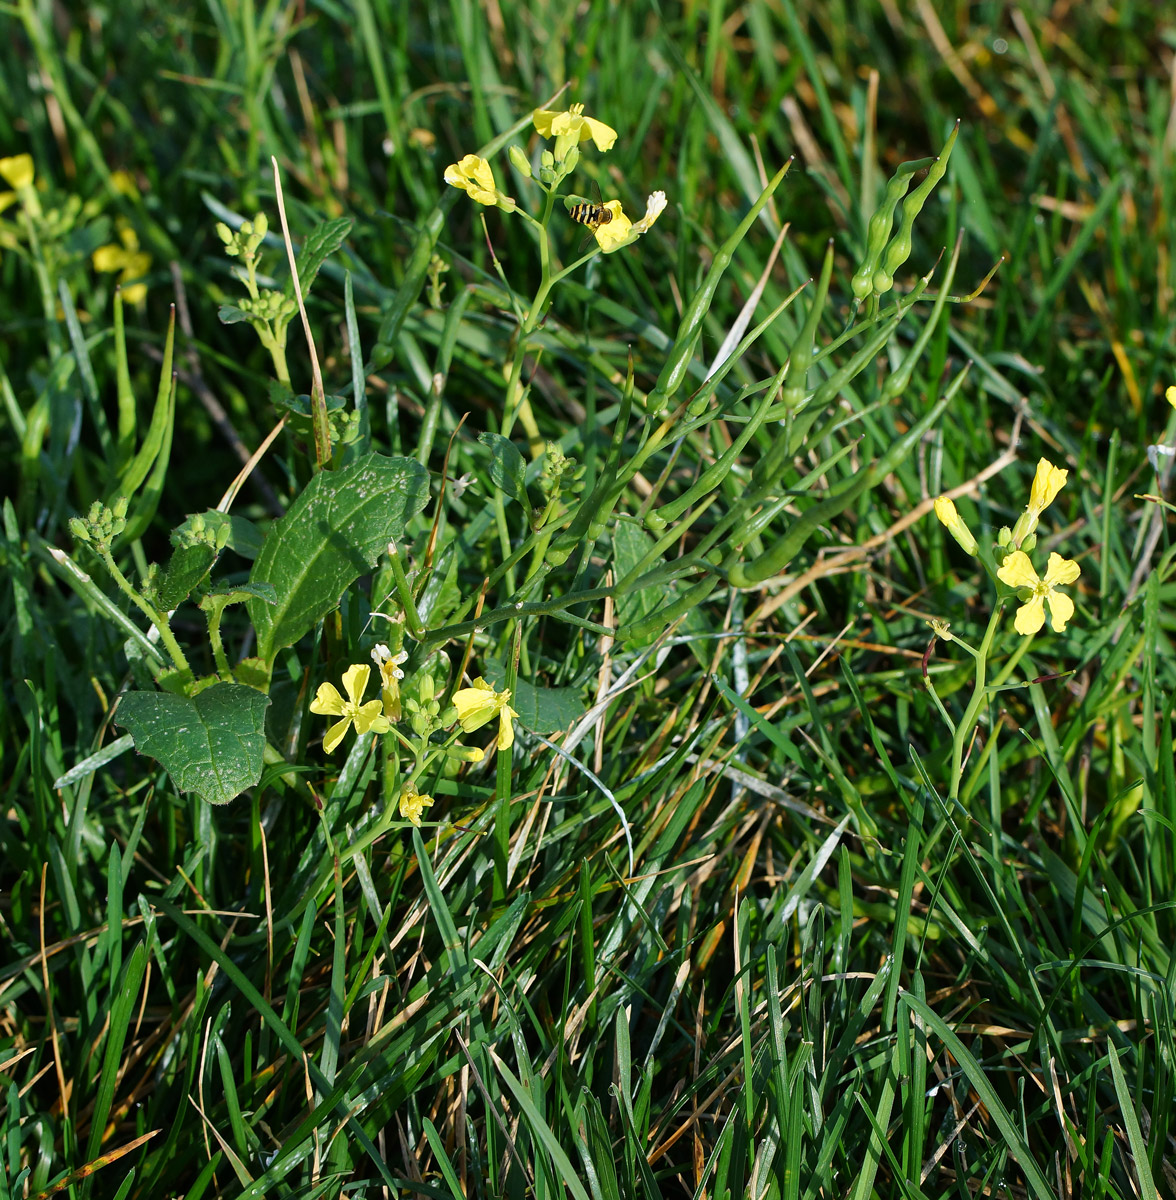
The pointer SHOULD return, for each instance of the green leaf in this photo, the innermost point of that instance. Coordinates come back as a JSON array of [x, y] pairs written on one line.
[[210, 744], [321, 243], [230, 314], [331, 535], [185, 570], [508, 470]]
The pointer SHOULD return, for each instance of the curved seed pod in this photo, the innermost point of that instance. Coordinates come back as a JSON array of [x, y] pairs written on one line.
[[899, 250], [878, 229], [801, 356]]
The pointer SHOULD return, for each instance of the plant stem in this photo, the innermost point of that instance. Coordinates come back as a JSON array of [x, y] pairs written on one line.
[[967, 723], [149, 611]]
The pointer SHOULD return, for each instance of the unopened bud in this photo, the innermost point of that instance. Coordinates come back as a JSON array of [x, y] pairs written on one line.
[[520, 161], [951, 520]]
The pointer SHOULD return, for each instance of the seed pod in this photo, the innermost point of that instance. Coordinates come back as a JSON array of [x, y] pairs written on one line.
[[899, 250]]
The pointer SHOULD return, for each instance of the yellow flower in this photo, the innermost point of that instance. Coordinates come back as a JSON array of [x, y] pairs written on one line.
[[17, 171], [1018, 572], [572, 127], [474, 176], [620, 231], [130, 260], [1047, 482], [1170, 395], [478, 704], [413, 804], [945, 510], [328, 703], [613, 235]]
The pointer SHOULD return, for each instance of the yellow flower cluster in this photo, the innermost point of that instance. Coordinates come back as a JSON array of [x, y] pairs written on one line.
[[474, 175], [1015, 567]]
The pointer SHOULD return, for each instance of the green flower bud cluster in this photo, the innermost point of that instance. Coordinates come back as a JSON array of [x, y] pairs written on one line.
[[424, 710], [245, 242], [101, 525], [269, 305], [197, 532], [561, 473]]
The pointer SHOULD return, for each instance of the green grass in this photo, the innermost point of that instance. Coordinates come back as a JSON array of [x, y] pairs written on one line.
[[833, 966]]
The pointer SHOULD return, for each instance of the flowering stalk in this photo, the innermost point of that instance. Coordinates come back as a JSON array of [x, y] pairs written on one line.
[[1014, 569]]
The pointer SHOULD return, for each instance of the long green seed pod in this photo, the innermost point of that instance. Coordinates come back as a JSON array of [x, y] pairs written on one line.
[[878, 229], [899, 250]]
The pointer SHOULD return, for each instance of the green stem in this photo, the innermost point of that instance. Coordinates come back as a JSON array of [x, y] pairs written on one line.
[[223, 669], [404, 594], [968, 721], [516, 405], [149, 611]]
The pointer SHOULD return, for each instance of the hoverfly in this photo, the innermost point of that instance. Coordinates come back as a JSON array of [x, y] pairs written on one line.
[[591, 215]]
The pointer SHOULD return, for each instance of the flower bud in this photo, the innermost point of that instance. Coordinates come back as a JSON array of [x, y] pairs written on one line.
[[520, 161], [951, 520]]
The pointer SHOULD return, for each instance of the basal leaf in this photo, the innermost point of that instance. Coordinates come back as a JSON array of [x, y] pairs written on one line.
[[331, 535], [211, 744]]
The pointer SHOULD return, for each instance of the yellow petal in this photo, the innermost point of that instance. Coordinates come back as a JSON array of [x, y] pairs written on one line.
[[1170, 395], [1061, 609], [355, 681], [371, 717], [136, 293], [327, 702], [505, 728], [335, 734], [1061, 570], [413, 804], [610, 237], [1030, 617], [945, 510], [543, 119], [1018, 572], [1047, 482], [17, 171], [7, 199], [473, 175], [473, 715], [603, 135]]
